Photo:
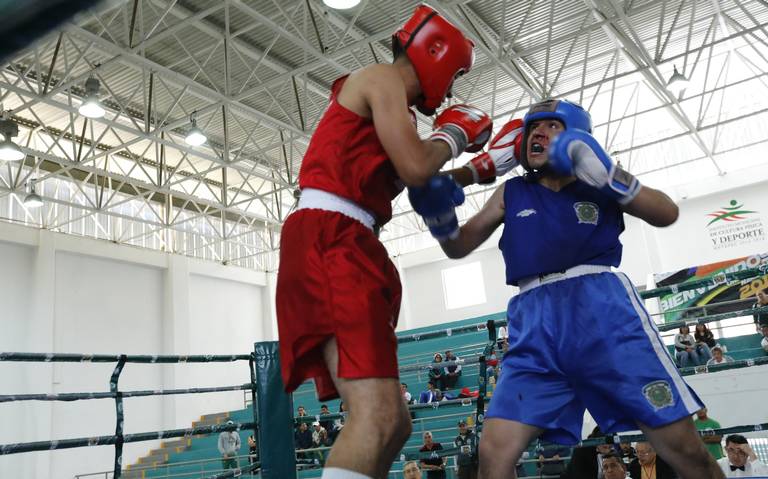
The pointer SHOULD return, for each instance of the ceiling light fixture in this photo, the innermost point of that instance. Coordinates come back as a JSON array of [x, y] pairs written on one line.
[[195, 136], [91, 107], [341, 4], [33, 200], [9, 151], [677, 82]]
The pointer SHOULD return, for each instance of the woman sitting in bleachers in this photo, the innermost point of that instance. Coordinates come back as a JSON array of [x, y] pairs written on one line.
[[436, 372]]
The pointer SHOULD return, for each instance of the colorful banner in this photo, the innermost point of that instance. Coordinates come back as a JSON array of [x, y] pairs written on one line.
[[724, 297]]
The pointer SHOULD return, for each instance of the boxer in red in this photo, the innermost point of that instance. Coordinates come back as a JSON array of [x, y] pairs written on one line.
[[338, 294]]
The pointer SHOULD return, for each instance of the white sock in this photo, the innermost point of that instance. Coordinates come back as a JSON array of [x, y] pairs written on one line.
[[337, 473]]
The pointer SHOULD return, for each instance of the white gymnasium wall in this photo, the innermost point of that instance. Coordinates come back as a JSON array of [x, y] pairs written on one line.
[[224, 316], [423, 286], [16, 282], [68, 294], [735, 397], [103, 306]]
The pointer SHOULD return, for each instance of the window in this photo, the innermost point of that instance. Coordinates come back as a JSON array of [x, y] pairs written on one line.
[[463, 286]]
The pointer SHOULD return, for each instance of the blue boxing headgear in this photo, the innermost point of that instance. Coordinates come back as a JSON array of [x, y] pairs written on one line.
[[570, 114]]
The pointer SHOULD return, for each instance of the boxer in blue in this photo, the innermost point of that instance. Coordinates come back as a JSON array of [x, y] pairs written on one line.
[[579, 336]]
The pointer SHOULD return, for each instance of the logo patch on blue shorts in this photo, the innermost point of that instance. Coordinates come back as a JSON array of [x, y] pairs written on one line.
[[658, 394]]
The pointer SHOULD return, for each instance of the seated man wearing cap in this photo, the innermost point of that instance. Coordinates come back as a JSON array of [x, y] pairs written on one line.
[[467, 459]]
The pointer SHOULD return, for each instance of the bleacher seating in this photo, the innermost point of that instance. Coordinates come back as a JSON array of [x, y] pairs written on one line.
[[441, 422]]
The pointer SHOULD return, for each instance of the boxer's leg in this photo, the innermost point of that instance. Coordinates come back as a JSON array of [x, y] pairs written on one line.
[[376, 428]]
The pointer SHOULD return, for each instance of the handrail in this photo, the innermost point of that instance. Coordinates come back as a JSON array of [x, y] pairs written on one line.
[[108, 440], [108, 358], [125, 394], [142, 467]]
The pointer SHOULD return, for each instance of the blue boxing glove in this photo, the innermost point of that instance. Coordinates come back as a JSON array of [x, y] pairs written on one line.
[[436, 202], [577, 153]]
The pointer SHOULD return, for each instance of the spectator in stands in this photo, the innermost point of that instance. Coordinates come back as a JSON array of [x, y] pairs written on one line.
[[718, 357], [321, 440], [338, 424], [434, 465], [253, 450], [587, 462], [492, 363], [430, 395], [704, 422], [316, 428], [502, 338], [436, 377], [452, 373], [761, 300], [551, 461], [685, 347], [627, 452], [229, 445], [519, 469], [467, 459], [648, 464], [300, 412], [303, 439], [411, 470], [742, 460], [705, 341], [406, 395], [326, 423], [614, 467], [764, 342]]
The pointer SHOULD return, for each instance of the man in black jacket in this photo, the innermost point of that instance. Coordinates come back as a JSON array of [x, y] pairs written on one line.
[[587, 462]]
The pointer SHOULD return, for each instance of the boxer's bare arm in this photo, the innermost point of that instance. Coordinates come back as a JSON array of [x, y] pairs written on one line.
[[654, 207], [378, 92], [478, 228]]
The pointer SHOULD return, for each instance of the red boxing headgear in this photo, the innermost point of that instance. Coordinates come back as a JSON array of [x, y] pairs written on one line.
[[438, 51]]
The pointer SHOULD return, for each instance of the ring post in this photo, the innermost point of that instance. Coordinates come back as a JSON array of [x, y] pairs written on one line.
[[276, 448], [119, 417], [254, 410], [483, 376]]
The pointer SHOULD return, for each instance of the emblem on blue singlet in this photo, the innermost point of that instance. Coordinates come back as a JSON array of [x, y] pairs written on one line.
[[587, 212], [658, 394]]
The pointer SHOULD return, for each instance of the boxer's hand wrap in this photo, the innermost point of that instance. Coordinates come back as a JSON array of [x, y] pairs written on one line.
[[502, 156], [463, 128]]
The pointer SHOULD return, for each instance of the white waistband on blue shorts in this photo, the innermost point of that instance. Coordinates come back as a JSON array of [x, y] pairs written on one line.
[[322, 200], [527, 284]]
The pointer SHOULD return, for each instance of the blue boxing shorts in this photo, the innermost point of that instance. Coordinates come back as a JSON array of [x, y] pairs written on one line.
[[587, 342]]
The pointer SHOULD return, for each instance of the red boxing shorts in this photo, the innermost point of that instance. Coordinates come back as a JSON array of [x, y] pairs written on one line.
[[335, 281]]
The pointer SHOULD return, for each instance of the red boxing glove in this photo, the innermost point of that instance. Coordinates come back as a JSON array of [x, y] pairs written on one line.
[[502, 156], [463, 127]]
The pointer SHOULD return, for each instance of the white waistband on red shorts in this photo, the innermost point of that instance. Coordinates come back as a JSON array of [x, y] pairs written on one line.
[[527, 284], [322, 200]]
